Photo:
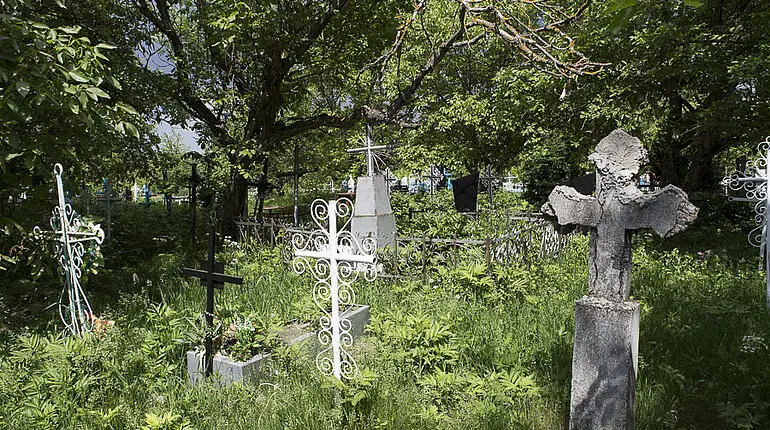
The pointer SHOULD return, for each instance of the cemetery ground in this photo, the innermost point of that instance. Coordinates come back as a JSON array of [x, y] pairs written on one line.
[[465, 347]]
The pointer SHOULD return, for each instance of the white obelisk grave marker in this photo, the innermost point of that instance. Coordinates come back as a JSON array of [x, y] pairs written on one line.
[[604, 361], [335, 257], [373, 215]]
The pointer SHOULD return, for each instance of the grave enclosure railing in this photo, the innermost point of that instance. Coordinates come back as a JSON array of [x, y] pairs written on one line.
[[528, 239]]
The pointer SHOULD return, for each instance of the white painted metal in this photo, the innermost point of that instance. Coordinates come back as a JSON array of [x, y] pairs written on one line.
[[753, 181], [69, 233], [372, 161], [339, 258]]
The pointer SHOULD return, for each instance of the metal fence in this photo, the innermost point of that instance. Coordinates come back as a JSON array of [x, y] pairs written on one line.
[[529, 238]]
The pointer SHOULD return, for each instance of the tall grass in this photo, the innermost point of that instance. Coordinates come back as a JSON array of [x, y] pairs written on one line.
[[461, 348]]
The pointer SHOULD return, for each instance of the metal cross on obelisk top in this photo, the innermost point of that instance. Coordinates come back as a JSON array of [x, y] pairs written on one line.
[[212, 277], [340, 257], [371, 156], [753, 181], [69, 234], [604, 361]]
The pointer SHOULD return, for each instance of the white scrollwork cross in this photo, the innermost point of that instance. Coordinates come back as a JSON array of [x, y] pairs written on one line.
[[69, 233], [753, 181], [339, 259]]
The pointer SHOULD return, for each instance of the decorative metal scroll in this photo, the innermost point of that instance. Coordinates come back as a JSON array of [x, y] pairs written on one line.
[[69, 233], [753, 182], [335, 258]]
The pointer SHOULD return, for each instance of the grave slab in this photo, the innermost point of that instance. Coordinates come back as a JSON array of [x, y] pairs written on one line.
[[226, 371]]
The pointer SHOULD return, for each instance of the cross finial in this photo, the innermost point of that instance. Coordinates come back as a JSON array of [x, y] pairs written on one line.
[[371, 151]]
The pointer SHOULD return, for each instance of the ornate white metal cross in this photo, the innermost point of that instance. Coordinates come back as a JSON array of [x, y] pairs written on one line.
[[69, 233], [339, 259], [753, 181], [371, 155]]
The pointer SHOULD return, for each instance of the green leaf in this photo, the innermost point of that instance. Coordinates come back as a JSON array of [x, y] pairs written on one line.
[[40, 25], [13, 140], [621, 19], [98, 92], [70, 30], [132, 130], [74, 107], [114, 82], [105, 46], [78, 76], [22, 87], [127, 108], [693, 3], [620, 5]]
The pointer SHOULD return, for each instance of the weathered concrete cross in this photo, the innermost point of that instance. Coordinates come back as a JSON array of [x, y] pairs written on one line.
[[604, 360], [619, 209], [212, 277]]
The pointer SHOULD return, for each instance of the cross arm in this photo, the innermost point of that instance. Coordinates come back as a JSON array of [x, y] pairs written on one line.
[[667, 212], [204, 275], [369, 148], [339, 257], [572, 208]]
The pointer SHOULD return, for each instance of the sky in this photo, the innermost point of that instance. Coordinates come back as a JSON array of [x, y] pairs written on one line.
[[189, 138]]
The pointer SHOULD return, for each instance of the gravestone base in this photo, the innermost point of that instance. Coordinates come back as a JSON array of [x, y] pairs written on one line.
[[373, 215], [226, 371], [604, 364]]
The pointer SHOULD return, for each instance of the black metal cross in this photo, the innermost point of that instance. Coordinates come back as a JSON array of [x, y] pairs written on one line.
[[213, 277], [108, 199], [489, 179], [193, 180], [434, 177]]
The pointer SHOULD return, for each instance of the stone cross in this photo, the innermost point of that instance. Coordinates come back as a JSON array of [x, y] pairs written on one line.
[[604, 363], [339, 258], [69, 234], [212, 277]]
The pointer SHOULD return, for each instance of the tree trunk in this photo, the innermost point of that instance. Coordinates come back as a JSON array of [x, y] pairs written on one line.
[[236, 202]]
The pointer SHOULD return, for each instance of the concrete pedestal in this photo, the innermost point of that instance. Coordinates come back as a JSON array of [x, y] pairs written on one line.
[[373, 215], [227, 371], [604, 364]]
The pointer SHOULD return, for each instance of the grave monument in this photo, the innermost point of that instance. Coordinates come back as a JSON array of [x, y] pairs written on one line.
[[373, 215], [604, 361]]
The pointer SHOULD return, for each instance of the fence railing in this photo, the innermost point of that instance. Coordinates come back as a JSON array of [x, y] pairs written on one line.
[[529, 238]]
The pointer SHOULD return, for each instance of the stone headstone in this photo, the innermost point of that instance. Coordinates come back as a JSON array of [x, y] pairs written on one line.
[[604, 362], [373, 216]]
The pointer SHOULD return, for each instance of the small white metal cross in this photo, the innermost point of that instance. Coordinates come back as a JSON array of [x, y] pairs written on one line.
[[69, 233], [753, 181], [371, 156], [339, 258]]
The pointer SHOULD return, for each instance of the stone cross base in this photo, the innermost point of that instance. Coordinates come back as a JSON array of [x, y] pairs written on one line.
[[604, 364], [373, 215]]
